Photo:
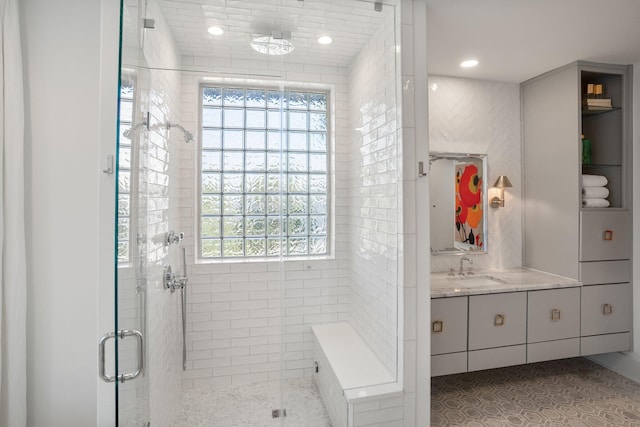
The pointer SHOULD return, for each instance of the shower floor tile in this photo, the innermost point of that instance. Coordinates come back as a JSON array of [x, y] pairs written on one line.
[[251, 405], [572, 392]]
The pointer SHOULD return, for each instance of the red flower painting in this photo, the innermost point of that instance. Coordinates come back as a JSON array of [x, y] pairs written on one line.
[[468, 214]]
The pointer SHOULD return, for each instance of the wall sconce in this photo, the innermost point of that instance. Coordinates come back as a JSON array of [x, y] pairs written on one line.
[[502, 182]]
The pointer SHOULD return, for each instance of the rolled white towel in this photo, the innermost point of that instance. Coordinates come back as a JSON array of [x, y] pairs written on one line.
[[595, 192], [595, 203], [594, 180]]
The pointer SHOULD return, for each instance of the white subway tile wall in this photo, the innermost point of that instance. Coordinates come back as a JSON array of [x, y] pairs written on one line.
[[384, 412], [238, 311], [373, 195], [235, 314]]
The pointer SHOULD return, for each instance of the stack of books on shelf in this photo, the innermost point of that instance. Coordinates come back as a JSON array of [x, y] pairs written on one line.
[[598, 104]]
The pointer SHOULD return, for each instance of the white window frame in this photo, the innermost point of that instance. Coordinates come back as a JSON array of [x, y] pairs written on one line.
[[329, 132]]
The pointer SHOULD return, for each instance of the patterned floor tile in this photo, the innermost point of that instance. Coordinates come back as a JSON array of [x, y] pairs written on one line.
[[571, 392]]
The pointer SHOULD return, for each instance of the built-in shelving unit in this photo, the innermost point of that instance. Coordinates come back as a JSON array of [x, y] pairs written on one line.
[[603, 127], [561, 235]]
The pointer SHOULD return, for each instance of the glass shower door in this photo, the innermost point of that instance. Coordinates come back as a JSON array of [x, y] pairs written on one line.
[[132, 382]]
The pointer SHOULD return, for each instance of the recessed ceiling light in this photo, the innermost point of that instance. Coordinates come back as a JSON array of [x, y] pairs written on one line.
[[215, 31], [469, 63], [325, 40]]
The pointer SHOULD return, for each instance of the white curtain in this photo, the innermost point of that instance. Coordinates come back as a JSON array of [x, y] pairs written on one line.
[[13, 292]]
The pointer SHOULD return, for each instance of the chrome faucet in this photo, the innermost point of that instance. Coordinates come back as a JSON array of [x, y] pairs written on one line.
[[462, 260]]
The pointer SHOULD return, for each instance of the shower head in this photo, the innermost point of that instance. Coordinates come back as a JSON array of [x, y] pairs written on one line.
[[188, 136], [131, 132]]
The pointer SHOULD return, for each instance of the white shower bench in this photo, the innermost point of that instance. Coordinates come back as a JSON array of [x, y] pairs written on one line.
[[356, 388]]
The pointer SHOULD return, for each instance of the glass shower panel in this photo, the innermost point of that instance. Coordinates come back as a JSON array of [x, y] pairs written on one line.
[[132, 393], [287, 196], [347, 222]]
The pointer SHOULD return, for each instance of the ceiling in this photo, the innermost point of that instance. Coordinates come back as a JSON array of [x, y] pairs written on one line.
[[514, 40], [350, 24]]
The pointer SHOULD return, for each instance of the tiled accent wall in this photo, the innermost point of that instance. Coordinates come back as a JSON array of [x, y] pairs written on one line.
[[476, 116], [374, 196], [238, 311]]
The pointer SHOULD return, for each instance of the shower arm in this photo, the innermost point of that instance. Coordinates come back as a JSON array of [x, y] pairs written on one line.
[[188, 136]]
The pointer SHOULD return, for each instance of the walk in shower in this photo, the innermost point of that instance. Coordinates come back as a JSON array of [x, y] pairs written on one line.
[[261, 164]]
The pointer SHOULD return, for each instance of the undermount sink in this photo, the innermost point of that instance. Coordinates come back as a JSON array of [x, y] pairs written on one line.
[[478, 280]]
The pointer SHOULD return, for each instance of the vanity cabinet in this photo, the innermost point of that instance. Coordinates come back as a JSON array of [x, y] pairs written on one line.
[[561, 236], [497, 330], [449, 335], [476, 332], [606, 318], [553, 324]]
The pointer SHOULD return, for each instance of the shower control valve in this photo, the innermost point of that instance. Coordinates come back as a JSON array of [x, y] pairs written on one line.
[[171, 281], [173, 237]]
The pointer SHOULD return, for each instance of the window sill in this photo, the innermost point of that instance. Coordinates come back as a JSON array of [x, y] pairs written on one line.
[[256, 260]]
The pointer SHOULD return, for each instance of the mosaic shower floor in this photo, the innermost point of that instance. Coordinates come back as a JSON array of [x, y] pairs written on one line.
[[251, 405], [571, 392]]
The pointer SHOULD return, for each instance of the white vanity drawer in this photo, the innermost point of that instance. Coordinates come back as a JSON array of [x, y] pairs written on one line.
[[497, 320], [600, 272], [605, 235], [553, 314], [606, 309], [605, 343], [552, 350], [448, 325], [447, 364], [497, 357]]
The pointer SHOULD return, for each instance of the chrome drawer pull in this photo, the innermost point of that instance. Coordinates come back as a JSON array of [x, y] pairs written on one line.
[[499, 320], [607, 309], [555, 314], [437, 326]]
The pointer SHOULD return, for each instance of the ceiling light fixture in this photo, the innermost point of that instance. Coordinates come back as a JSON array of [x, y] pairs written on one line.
[[215, 31], [469, 63], [325, 40], [278, 43]]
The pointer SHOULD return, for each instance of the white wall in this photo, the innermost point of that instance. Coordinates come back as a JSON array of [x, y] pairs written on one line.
[[70, 62], [636, 208], [482, 117], [414, 295]]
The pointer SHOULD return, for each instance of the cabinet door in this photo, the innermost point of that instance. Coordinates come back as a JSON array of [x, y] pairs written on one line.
[[606, 309], [448, 325], [605, 235], [553, 314], [497, 320]]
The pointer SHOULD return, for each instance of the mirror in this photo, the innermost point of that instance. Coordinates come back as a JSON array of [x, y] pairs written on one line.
[[458, 203]]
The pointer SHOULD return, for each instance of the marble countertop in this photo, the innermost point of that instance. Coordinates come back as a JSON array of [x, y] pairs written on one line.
[[496, 281]]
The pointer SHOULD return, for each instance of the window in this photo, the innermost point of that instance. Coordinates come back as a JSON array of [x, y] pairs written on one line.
[[263, 173], [125, 153]]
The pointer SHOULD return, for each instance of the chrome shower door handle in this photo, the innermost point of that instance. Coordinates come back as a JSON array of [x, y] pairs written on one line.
[[122, 334], [101, 370]]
